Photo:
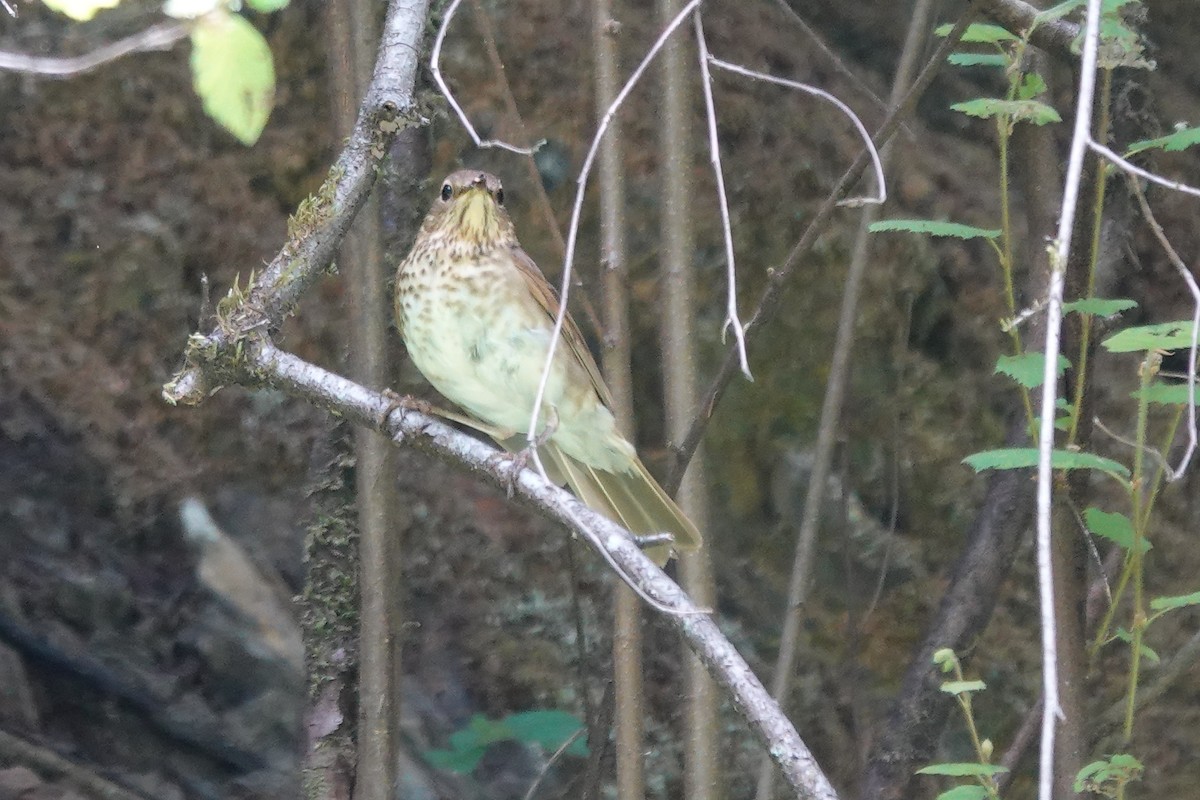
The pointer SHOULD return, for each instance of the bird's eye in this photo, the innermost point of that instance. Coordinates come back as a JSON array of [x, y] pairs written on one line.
[[500, 196], [447, 192]]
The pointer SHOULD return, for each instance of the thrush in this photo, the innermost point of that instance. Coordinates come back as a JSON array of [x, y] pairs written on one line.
[[477, 317]]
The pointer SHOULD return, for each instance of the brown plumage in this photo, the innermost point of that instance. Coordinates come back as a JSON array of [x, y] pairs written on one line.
[[477, 315]]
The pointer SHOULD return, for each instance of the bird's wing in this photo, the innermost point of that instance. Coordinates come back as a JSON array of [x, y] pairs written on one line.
[[547, 298]]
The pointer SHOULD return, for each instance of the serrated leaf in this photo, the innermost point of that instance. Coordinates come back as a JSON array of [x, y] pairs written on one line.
[[968, 791], [81, 10], [959, 687], [933, 227], [1178, 601], [1028, 369], [1163, 336], [1167, 394], [979, 32], [1173, 142], [1033, 111], [549, 728], [977, 60], [1115, 527], [1099, 307], [233, 73], [1022, 457], [963, 769]]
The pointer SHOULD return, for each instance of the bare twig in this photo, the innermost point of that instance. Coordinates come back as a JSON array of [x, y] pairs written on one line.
[[1190, 280], [769, 301], [576, 212], [1134, 169], [1058, 264], [880, 184], [551, 761], [436, 69], [732, 321], [262, 362], [158, 37]]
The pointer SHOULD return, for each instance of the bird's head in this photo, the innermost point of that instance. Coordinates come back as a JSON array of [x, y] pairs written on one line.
[[469, 212]]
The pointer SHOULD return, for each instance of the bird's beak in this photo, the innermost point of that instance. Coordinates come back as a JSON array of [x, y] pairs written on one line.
[[477, 214]]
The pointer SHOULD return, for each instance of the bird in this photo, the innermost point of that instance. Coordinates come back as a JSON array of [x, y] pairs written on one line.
[[477, 318]]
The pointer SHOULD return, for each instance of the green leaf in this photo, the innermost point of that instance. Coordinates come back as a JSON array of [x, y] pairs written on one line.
[[483, 731], [962, 687], [267, 6], [459, 761], [81, 10], [979, 32], [963, 769], [548, 728], [1028, 369], [933, 228], [1021, 457], [968, 791], [1178, 601], [1033, 111], [1167, 394], [1115, 527], [1173, 142], [233, 74], [1163, 336], [1031, 86], [1127, 637], [977, 60], [1099, 307]]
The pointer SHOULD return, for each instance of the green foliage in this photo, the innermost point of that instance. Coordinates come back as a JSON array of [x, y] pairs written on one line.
[[1109, 777], [933, 227], [1028, 369], [1167, 394], [1178, 601], [1099, 307], [1024, 457], [550, 729], [1181, 139], [977, 60], [979, 33], [1163, 336], [1015, 110], [233, 73], [983, 772], [1117, 528]]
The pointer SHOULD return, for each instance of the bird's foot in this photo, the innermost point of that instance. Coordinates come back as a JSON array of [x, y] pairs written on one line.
[[646, 541], [398, 401], [520, 459]]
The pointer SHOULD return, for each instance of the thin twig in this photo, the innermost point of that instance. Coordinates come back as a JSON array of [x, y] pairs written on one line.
[[1058, 264], [1134, 169], [824, 49], [1190, 280], [714, 148], [158, 37], [1130, 443], [769, 300], [880, 184], [550, 762], [576, 212], [435, 68]]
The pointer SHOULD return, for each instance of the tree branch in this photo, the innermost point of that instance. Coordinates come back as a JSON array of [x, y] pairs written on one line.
[[320, 224]]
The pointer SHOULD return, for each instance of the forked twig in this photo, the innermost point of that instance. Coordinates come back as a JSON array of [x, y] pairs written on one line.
[[845, 109], [576, 212], [714, 147], [435, 68]]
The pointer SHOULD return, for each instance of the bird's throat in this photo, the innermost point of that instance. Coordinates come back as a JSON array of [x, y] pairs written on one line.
[[476, 218]]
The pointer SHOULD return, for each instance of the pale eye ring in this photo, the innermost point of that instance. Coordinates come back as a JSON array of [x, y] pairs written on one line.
[[447, 191]]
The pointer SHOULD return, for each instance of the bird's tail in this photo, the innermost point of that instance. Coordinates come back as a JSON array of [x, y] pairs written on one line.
[[633, 499]]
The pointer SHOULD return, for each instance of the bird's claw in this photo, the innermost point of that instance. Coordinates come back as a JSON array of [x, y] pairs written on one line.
[[398, 401]]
